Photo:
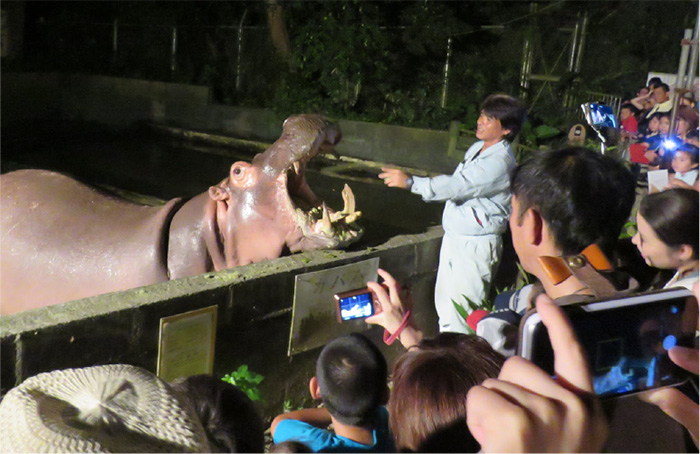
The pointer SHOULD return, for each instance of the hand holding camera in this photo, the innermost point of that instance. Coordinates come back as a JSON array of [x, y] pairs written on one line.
[[672, 401], [540, 413], [394, 314]]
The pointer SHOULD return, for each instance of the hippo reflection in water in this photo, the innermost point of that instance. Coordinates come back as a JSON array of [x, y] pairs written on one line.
[[62, 240]]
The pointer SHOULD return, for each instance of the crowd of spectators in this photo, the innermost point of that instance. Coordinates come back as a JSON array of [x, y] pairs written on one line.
[[456, 392], [645, 127]]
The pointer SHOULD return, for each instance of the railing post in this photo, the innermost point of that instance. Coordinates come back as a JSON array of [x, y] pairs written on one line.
[[446, 76], [240, 51], [115, 31], [173, 53]]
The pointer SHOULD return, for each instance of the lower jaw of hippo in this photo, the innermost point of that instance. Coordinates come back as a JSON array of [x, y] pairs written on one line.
[[323, 228]]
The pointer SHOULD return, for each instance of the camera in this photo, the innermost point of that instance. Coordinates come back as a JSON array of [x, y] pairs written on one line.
[[626, 340], [356, 304]]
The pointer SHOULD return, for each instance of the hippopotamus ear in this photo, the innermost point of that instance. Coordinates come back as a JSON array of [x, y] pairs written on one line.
[[218, 193]]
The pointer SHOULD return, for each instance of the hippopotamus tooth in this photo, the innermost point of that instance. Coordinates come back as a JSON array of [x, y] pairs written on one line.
[[83, 242]]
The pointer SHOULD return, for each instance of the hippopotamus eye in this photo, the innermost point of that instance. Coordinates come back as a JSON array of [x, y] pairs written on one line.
[[237, 171]]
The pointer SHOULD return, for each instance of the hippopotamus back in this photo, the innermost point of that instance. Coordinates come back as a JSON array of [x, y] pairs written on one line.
[[48, 257]]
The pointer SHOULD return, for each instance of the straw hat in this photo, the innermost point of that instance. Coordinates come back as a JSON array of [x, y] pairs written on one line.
[[114, 408]]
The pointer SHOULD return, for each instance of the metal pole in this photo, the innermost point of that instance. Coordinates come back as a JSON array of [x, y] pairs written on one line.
[[524, 80], [114, 37], [693, 66], [446, 76], [173, 52], [240, 50], [683, 62], [581, 43], [574, 42], [680, 78]]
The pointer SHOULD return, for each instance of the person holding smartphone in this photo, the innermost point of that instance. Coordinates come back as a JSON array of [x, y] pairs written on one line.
[[526, 410]]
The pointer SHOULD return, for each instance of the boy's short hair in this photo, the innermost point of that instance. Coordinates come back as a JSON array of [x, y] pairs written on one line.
[[631, 107], [692, 134], [583, 196], [663, 86], [692, 151], [352, 378], [658, 115], [506, 109], [654, 81]]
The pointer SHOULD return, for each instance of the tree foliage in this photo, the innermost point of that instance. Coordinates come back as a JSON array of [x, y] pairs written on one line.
[[372, 60]]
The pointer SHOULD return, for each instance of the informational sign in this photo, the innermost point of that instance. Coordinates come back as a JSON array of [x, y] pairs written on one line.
[[186, 344], [314, 320]]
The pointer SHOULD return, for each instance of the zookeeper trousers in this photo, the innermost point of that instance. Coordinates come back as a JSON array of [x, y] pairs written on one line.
[[466, 268]]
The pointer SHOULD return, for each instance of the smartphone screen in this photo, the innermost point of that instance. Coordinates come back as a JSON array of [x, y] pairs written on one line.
[[626, 340], [359, 305]]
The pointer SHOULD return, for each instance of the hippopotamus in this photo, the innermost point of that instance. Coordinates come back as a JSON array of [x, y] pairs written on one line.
[[63, 240]]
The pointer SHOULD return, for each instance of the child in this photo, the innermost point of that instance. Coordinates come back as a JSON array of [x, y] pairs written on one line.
[[685, 164], [628, 120], [655, 150], [652, 127], [351, 380]]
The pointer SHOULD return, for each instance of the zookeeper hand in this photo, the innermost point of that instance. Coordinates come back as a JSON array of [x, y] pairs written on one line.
[[394, 178]]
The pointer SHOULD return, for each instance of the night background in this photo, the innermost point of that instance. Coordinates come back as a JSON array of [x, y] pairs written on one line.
[[381, 61]]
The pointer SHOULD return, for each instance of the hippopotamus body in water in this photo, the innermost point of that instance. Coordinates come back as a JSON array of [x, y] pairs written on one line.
[[63, 240]]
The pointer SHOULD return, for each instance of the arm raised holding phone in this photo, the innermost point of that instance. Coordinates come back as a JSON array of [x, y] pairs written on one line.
[[395, 314], [526, 410]]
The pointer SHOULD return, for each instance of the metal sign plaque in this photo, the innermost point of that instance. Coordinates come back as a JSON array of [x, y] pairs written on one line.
[[314, 320], [186, 344]]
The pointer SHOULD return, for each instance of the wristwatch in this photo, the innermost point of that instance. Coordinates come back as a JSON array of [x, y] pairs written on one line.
[[409, 181]]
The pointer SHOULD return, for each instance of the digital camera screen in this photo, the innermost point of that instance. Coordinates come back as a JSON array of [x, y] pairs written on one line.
[[356, 306], [602, 116], [627, 347]]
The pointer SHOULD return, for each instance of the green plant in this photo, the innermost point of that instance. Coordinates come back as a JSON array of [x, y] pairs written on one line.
[[246, 380], [523, 278], [628, 230], [485, 304]]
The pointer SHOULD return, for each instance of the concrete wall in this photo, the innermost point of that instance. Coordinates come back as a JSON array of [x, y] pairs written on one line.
[[254, 304], [120, 102], [254, 301]]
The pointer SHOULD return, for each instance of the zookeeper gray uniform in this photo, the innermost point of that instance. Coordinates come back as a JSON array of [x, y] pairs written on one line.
[[476, 213]]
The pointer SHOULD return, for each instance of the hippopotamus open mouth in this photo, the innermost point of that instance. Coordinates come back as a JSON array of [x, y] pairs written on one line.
[[84, 243], [319, 226], [266, 207]]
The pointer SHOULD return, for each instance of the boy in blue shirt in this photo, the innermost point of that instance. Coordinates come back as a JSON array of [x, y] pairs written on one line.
[[351, 380]]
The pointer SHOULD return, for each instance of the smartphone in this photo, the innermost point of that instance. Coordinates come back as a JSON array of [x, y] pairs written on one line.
[[626, 340], [355, 304]]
